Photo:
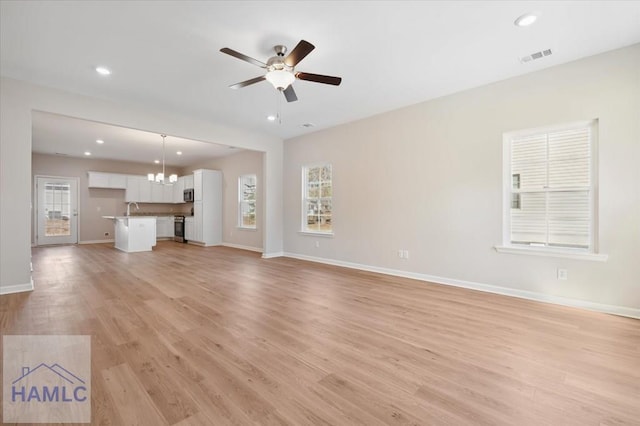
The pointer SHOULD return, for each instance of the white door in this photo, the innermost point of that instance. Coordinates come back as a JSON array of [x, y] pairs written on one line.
[[56, 211]]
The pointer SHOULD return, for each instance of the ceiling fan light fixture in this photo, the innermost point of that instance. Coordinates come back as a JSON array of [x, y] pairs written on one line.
[[159, 177], [280, 79]]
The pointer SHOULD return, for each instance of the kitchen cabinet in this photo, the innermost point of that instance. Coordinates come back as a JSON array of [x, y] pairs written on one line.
[[107, 180], [132, 193], [167, 193], [156, 192], [189, 228], [178, 191], [207, 211], [145, 189], [164, 227], [161, 193], [134, 233], [188, 182], [198, 176], [138, 189]]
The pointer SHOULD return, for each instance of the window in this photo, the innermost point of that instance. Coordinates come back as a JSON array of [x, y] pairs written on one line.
[[550, 186], [515, 197], [247, 201], [316, 199]]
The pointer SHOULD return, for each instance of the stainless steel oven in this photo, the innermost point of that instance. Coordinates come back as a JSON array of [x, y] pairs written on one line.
[[178, 228]]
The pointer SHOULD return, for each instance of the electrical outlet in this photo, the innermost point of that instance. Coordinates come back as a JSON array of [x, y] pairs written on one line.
[[400, 254], [406, 254], [563, 274], [317, 244]]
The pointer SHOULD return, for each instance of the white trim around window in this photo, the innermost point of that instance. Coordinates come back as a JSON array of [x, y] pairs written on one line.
[[550, 192], [317, 199], [247, 185]]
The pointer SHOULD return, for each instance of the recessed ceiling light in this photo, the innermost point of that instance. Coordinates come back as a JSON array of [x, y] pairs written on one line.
[[179, 152], [87, 153], [156, 161], [99, 141], [103, 70], [271, 117], [526, 19]]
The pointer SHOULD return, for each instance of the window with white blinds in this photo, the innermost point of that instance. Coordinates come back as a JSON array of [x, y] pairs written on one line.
[[550, 189]]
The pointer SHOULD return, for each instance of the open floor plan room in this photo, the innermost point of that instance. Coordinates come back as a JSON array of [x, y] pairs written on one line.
[[186, 335]]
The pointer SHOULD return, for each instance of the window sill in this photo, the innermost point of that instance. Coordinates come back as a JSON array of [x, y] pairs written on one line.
[[535, 251], [244, 228], [317, 234]]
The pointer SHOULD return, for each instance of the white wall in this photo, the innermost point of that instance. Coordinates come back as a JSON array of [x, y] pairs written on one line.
[[427, 179], [232, 167], [18, 99]]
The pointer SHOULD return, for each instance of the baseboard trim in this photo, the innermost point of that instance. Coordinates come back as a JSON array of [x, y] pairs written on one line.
[[18, 288], [522, 294], [274, 254], [96, 241], [241, 247]]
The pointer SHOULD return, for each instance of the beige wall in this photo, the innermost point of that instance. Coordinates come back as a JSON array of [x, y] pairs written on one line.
[[97, 202], [233, 166], [428, 179]]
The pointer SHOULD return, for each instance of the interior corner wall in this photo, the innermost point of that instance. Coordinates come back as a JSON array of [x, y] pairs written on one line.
[[428, 179], [18, 99], [232, 167]]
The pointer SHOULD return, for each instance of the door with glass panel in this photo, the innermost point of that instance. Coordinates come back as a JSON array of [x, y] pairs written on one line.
[[56, 211]]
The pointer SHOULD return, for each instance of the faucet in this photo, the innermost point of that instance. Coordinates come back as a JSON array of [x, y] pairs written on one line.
[[129, 207]]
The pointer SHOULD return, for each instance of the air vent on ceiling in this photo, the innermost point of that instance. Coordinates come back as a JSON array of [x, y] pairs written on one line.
[[536, 55]]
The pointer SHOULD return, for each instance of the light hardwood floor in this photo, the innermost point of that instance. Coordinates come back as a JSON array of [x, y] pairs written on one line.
[[214, 336]]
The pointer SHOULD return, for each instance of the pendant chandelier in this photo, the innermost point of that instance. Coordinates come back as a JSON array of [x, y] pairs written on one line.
[[159, 177]]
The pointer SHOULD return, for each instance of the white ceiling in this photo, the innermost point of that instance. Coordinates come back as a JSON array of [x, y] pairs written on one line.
[[389, 54], [58, 134]]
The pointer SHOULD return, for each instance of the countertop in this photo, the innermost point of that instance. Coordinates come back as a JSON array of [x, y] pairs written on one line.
[[159, 214], [129, 217]]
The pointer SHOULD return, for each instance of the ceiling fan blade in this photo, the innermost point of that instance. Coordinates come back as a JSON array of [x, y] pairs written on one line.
[[326, 79], [247, 82], [243, 57], [298, 53], [290, 94]]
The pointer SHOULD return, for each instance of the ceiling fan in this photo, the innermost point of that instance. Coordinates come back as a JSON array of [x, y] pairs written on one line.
[[281, 70]]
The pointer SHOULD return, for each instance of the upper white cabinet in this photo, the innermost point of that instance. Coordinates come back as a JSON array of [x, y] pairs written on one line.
[[157, 190], [141, 190], [178, 190], [138, 190], [198, 175], [132, 194], [107, 180], [188, 182]]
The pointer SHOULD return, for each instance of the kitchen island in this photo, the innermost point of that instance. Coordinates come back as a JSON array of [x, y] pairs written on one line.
[[134, 233]]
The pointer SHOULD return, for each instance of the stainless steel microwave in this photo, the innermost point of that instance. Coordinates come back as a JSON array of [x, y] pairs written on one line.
[[188, 195]]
